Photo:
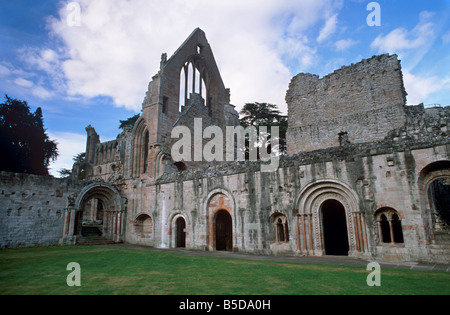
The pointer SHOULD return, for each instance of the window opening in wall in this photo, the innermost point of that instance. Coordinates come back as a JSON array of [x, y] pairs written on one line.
[[180, 166], [183, 85], [385, 229], [192, 80], [439, 192], [146, 140], [280, 231], [389, 226], [280, 227], [397, 227]]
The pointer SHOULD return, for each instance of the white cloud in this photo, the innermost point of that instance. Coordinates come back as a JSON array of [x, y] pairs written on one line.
[[420, 87], [42, 92], [4, 71], [69, 145], [328, 29], [345, 44], [400, 39], [117, 48], [23, 82]]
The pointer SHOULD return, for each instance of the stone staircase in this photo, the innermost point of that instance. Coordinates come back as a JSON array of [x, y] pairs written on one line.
[[91, 235], [440, 248]]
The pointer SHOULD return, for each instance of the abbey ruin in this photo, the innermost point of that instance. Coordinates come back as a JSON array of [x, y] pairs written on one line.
[[365, 175]]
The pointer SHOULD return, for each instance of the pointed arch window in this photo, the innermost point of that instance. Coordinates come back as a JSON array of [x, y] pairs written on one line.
[[192, 80], [141, 148], [146, 139]]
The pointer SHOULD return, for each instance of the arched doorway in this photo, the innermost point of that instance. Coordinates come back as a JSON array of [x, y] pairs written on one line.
[[224, 233], [334, 223], [98, 210], [180, 237]]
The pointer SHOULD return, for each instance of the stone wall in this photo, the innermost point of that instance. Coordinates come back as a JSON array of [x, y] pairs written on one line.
[[364, 177], [32, 209], [362, 102]]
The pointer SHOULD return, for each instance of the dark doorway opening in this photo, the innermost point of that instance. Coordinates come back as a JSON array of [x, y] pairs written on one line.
[[224, 237], [181, 232], [440, 195], [334, 228]]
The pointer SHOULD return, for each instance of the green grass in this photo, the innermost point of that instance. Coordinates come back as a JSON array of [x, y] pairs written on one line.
[[109, 270]]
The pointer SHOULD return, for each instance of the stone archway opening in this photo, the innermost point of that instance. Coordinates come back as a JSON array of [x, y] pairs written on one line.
[[180, 230], [90, 218], [223, 231], [334, 224], [99, 208]]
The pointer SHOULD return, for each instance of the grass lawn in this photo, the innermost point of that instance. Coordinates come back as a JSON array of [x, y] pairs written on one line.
[[109, 270]]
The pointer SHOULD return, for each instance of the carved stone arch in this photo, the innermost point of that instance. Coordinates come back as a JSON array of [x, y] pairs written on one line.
[[144, 226], [309, 204], [113, 210], [140, 146], [106, 191], [279, 231], [219, 200], [389, 226], [161, 162], [174, 219], [189, 81], [438, 171]]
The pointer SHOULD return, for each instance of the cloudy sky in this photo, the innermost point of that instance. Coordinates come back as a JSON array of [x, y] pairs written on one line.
[[94, 67]]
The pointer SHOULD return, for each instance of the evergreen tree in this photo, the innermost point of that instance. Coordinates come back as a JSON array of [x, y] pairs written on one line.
[[129, 122], [24, 143], [264, 114]]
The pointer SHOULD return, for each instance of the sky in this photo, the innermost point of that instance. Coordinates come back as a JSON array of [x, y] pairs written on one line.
[[89, 62]]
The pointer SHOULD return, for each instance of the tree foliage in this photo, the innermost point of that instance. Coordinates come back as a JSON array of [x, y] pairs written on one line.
[[79, 167], [264, 114], [129, 122], [24, 143]]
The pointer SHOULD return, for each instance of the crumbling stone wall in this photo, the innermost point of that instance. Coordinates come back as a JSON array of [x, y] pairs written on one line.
[[351, 140], [32, 209], [357, 103]]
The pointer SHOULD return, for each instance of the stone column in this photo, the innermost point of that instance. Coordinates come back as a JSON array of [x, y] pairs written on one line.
[[391, 229], [304, 232], [310, 232], [356, 225]]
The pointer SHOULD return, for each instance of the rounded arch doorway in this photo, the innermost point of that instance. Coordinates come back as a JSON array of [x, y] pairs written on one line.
[[180, 236], [223, 231], [334, 228]]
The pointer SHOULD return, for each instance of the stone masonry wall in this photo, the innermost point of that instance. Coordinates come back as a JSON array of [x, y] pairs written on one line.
[[365, 100], [32, 209]]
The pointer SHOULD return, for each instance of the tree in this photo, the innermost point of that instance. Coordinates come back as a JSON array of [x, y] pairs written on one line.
[[79, 167], [24, 143], [65, 173], [264, 114], [129, 122]]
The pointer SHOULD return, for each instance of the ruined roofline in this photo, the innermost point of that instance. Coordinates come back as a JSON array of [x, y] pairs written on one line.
[[344, 68], [197, 32], [199, 36], [356, 67]]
